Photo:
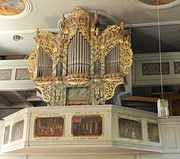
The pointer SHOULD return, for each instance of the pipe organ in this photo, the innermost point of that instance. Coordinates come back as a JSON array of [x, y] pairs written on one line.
[[80, 64]]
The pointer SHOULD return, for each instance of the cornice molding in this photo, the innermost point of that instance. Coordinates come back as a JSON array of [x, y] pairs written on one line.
[[135, 25]]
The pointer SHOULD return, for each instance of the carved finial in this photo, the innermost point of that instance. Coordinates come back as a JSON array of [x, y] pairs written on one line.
[[62, 21], [37, 37], [37, 31], [60, 35], [96, 19], [97, 31], [96, 14], [62, 17], [122, 25]]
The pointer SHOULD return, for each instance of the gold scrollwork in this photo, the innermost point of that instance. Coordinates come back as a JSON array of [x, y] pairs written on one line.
[[99, 94], [58, 94], [45, 91], [33, 62], [80, 20], [125, 57], [109, 90]]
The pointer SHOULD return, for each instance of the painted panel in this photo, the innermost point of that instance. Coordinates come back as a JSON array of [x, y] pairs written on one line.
[[154, 2], [6, 134], [5, 74], [87, 125], [170, 138], [153, 132], [22, 74], [49, 126], [17, 131], [130, 128], [177, 67], [154, 68]]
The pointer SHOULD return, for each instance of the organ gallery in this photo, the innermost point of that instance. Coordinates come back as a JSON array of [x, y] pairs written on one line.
[[80, 69], [81, 64]]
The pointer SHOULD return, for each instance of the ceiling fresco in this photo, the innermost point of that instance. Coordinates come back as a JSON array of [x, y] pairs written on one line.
[[157, 2], [11, 7]]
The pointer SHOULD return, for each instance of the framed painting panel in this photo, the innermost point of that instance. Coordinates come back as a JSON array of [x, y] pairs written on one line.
[[130, 128], [17, 131], [87, 125], [153, 132], [49, 126], [6, 134]]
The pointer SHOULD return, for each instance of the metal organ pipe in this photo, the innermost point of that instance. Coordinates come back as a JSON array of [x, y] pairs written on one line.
[[77, 51], [78, 55], [112, 60], [81, 45], [72, 54], [44, 65], [59, 69], [85, 57]]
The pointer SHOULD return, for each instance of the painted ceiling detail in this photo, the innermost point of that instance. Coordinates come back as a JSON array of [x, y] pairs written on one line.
[[156, 4], [12, 9]]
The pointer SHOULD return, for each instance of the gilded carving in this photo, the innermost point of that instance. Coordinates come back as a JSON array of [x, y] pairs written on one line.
[[45, 90], [99, 94], [125, 57], [109, 90], [33, 62], [84, 66]]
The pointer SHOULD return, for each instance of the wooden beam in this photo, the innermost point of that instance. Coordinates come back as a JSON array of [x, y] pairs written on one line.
[[4, 101], [21, 97], [141, 99]]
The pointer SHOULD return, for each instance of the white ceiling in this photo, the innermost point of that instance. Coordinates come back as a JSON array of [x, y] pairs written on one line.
[[45, 14]]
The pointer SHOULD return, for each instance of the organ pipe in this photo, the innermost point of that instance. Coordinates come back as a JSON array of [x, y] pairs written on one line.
[[78, 55], [59, 68], [112, 60], [44, 65]]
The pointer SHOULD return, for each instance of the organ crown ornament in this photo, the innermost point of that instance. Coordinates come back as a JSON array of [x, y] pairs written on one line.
[[80, 64]]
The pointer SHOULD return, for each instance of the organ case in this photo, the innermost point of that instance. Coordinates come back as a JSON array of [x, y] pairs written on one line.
[[80, 64]]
